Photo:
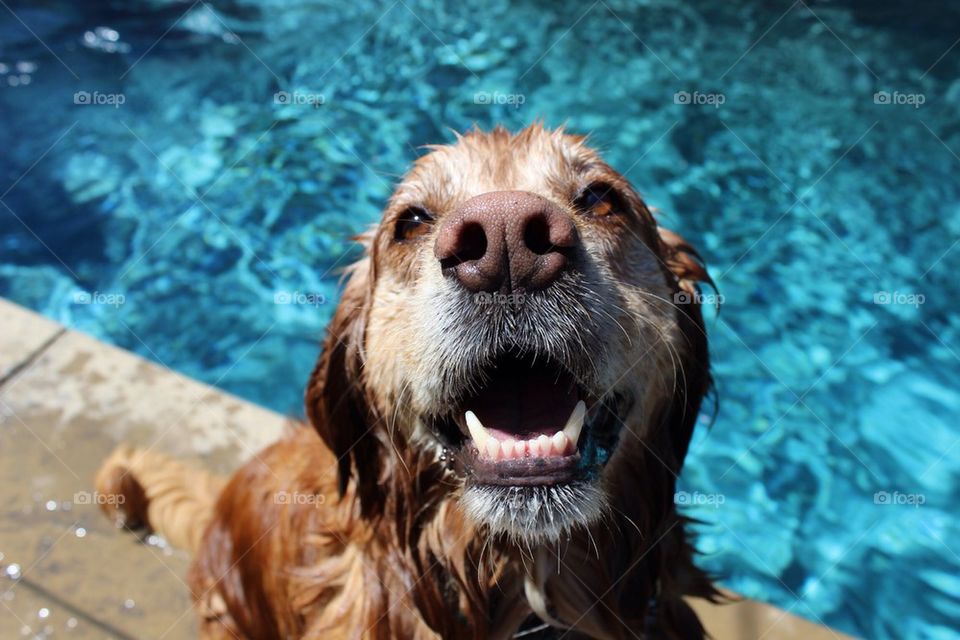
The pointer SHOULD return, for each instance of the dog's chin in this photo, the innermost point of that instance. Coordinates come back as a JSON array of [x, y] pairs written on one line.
[[533, 515], [530, 442]]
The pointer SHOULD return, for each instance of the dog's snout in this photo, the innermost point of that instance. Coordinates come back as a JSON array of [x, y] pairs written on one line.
[[506, 241]]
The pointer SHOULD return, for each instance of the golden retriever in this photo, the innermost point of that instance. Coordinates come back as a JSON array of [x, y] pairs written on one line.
[[503, 402]]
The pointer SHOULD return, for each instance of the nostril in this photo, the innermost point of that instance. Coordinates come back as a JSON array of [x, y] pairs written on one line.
[[536, 235], [473, 242], [470, 244]]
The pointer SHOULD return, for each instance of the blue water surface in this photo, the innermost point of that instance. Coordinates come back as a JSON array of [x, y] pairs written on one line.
[[182, 179]]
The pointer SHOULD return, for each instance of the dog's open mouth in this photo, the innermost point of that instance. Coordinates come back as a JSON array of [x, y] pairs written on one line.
[[528, 422]]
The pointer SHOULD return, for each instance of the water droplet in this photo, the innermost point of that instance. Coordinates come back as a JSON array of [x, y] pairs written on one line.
[[157, 541], [24, 630], [71, 623], [108, 34], [81, 532], [51, 505], [44, 613], [13, 571], [129, 603]]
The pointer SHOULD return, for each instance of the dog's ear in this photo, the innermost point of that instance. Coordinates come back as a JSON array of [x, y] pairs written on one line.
[[686, 271], [336, 400], [683, 261]]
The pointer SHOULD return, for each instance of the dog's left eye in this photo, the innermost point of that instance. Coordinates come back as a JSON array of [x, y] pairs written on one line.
[[600, 200], [412, 223]]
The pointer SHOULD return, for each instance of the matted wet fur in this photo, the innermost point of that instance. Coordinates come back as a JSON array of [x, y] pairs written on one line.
[[373, 529]]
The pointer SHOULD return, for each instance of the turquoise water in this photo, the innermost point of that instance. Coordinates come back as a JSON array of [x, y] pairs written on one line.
[[183, 181]]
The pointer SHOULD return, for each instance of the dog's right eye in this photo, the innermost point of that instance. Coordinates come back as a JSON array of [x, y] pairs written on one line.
[[600, 200], [411, 224]]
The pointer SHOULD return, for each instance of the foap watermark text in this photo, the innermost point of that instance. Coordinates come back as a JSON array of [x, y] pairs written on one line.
[[899, 498], [99, 298], [299, 98], [698, 297], [305, 298], [95, 497], [97, 98], [915, 100], [907, 298], [700, 98], [485, 298], [298, 498], [698, 498], [514, 100]]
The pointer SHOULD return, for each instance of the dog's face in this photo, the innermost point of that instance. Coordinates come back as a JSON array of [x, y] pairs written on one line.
[[517, 323]]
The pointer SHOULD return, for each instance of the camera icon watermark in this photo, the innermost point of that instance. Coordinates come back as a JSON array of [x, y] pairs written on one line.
[[714, 100], [305, 298], [96, 98], [299, 98], [514, 100], [99, 298], [698, 498], [897, 498], [915, 100], [905, 298]]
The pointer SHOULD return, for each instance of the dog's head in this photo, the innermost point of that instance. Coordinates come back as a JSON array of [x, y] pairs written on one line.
[[522, 324]]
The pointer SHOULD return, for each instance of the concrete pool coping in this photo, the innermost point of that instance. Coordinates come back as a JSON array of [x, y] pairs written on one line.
[[66, 400]]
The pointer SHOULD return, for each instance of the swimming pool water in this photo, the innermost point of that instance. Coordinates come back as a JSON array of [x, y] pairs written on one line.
[[182, 180]]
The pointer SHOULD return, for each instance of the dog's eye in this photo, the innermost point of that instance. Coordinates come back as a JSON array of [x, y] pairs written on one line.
[[411, 224], [600, 200]]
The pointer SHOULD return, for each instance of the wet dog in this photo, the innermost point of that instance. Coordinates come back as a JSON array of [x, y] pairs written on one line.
[[502, 405]]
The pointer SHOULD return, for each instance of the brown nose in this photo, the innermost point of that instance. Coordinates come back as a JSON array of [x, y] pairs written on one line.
[[506, 240]]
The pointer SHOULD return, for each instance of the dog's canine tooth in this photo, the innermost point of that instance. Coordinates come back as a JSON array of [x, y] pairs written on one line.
[[575, 423], [477, 431]]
